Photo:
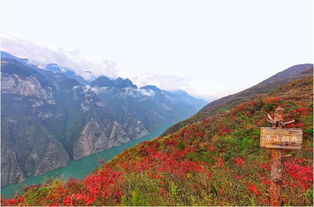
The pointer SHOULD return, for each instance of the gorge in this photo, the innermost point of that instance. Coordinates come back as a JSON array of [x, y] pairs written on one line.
[[52, 115]]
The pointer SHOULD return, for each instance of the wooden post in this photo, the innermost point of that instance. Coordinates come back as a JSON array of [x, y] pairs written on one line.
[[276, 177], [277, 139]]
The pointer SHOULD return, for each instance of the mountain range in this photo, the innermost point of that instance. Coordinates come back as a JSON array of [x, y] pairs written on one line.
[[51, 115], [213, 158]]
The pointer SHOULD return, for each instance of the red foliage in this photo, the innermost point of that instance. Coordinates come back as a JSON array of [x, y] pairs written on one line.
[[266, 201], [265, 181], [162, 191], [253, 189], [239, 161], [224, 130], [104, 184], [272, 100], [303, 110], [220, 162], [171, 142], [206, 120], [266, 166], [302, 174], [245, 105], [295, 125]]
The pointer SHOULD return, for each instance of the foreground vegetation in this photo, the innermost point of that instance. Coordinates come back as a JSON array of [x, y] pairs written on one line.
[[214, 161]]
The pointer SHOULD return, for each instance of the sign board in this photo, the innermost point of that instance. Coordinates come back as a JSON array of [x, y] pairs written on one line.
[[289, 138]]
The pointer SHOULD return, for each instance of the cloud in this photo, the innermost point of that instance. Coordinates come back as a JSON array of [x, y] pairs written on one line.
[[72, 59], [167, 82], [147, 92], [90, 69], [170, 82]]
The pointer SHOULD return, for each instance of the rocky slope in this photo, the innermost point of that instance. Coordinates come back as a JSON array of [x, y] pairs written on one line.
[[24, 102], [49, 116]]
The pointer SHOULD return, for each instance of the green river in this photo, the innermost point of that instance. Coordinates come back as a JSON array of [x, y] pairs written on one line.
[[78, 168]]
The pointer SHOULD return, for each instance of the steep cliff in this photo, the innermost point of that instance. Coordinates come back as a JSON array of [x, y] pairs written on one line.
[[29, 147]]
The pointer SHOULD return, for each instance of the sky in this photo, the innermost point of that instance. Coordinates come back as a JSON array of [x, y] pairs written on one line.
[[210, 48]]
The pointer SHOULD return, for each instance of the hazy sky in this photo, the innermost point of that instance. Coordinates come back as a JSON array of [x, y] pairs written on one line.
[[210, 48]]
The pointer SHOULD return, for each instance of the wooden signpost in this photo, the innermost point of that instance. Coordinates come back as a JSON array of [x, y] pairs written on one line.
[[278, 139], [281, 138]]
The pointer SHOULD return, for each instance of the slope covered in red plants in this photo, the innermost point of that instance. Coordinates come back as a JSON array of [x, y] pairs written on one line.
[[216, 160]]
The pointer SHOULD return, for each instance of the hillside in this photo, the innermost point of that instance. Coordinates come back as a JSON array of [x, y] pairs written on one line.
[[293, 73], [212, 159]]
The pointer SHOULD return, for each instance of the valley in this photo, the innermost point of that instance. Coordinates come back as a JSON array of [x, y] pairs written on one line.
[[51, 116], [212, 158]]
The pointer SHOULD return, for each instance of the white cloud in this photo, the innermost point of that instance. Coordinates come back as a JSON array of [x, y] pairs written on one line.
[[172, 82], [167, 82], [89, 69], [72, 59], [97, 90], [146, 92]]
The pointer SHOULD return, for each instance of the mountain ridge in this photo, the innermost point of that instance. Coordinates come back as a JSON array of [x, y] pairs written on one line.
[[214, 160], [50, 106], [298, 72]]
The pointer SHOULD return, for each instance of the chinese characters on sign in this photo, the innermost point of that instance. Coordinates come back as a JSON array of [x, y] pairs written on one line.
[[281, 138]]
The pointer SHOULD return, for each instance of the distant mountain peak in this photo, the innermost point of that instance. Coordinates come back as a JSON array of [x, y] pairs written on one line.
[[180, 92], [53, 67], [124, 83], [104, 81], [151, 87], [9, 56]]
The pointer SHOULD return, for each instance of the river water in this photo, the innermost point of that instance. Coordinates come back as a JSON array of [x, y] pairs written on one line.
[[78, 168]]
